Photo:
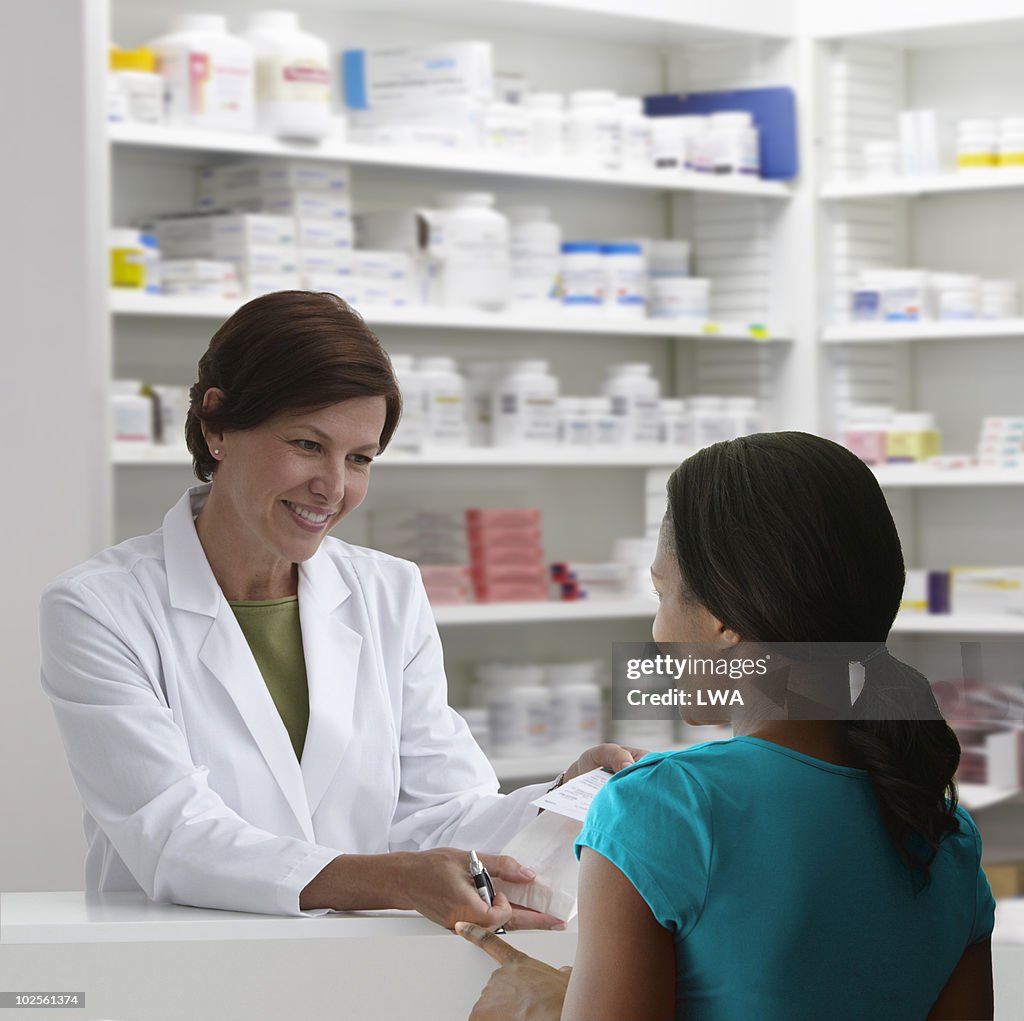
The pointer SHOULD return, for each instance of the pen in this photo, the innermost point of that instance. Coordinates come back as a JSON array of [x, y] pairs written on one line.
[[482, 882]]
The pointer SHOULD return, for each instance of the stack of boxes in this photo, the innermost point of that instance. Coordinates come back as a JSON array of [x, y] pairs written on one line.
[[1002, 443], [506, 555], [436, 541], [281, 225]]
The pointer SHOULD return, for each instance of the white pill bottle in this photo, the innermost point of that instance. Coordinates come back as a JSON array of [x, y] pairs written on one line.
[[525, 410], [536, 252], [293, 98], [208, 75], [470, 240]]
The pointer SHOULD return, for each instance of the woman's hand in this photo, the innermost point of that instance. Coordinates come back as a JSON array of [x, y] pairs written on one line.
[[608, 756], [523, 988], [438, 885]]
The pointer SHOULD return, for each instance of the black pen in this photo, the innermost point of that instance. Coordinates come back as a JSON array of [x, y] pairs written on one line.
[[482, 882]]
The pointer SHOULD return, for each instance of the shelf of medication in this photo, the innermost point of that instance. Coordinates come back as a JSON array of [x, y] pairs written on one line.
[[900, 186], [957, 329], [976, 796], [463, 162], [127, 302], [957, 624], [626, 456], [921, 475], [643, 607]]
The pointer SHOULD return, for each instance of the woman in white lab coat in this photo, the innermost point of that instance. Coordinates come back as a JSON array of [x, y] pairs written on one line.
[[255, 713]]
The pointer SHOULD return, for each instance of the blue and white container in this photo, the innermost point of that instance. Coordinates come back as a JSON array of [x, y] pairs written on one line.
[[625, 279], [583, 277]]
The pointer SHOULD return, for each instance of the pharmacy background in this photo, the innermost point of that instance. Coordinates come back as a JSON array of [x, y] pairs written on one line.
[[593, 237]]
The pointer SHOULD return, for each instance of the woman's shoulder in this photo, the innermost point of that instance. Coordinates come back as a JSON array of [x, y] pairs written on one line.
[[111, 567]]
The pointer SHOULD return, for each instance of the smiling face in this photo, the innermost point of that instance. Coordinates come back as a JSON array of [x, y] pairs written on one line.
[[281, 486]]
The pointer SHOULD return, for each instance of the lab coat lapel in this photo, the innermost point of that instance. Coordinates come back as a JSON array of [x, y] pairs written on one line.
[[226, 654], [332, 652]]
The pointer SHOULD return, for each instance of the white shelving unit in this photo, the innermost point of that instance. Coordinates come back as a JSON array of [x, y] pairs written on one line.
[[961, 182], [131, 303], [899, 333]]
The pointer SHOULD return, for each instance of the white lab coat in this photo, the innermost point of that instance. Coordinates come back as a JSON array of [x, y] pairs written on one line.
[[191, 789]]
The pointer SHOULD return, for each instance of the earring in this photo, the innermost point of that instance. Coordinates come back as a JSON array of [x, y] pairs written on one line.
[[215, 452]]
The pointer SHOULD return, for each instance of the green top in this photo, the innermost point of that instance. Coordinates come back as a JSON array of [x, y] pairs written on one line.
[[271, 627]]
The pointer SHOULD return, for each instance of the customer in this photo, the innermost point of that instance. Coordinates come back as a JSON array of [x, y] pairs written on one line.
[[808, 868], [254, 713]]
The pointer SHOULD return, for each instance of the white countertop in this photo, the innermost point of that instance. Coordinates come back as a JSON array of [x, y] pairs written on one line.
[[129, 917]]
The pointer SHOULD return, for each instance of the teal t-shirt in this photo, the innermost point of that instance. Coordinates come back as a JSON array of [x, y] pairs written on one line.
[[785, 896]]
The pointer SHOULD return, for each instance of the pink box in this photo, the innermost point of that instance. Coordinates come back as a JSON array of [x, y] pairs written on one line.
[[512, 593], [867, 444], [527, 574], [488, 556], [504, 536], [503, 517]]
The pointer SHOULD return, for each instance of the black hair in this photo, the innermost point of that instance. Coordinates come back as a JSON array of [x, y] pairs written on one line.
[[786, 537]]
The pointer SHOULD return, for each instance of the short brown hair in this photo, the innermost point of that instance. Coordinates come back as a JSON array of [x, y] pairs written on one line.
[[284, 352]]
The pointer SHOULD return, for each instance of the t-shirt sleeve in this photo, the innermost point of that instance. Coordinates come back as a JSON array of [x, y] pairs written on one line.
[[653, 822], [984, 902]]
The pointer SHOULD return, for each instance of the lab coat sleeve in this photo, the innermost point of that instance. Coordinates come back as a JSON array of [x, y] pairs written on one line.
[[134, 772], [449, 792]]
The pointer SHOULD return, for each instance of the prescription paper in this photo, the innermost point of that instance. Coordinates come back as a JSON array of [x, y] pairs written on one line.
[[573, 799]]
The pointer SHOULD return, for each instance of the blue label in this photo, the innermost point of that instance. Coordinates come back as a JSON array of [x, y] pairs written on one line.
[[353, 76]]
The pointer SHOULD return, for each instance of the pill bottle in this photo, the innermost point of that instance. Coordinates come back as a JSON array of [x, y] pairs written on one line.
[[710, 420], [635, 401], [170, 408], [208, 75], [605, 426], [546, 113], [999, 299], [954, 295], [507, 128], [478, 719], [866, 429], [471, 241], [638, 553], [881, 159], [536, 258], [575, 705], [977, 144], [132, 412], [575, 425], [593, 132], [735, 143], [525, 409], [135, 90], [676, 428], [293, 82], [519, 708], [912, 436], [668, 143], [668, 258], [127, 259], [481, 378], [625, 270], [637, 142], [151, 262], [681, 298], [583, 280], [444, 402], [743, 415], [410, 432], [1011, 142], [905, 295]]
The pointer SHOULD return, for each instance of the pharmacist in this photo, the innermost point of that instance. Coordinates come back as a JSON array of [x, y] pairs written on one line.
[[254, 713]]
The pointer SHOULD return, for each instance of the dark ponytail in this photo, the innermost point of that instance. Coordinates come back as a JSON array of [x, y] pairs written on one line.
[[786, 537]]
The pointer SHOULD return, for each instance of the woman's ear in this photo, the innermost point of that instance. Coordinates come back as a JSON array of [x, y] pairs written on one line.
[[725, 636], [214, 438]]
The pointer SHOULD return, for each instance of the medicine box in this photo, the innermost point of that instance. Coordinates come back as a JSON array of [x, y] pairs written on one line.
[[399, 78], [987, 590], [212, 237], [217, 185], [323, 233]]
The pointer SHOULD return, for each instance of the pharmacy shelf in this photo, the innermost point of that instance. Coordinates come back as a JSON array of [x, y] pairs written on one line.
[[976, 796], [155, 455], [957, 624], [132, 303], [964, 181], [899, 476], [642, 607], [475, 163], [885, 333]]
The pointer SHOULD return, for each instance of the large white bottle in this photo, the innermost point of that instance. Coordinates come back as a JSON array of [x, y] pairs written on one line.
[[471, 241], [208, 75], [444, 403], [526, 406], [293, 82]]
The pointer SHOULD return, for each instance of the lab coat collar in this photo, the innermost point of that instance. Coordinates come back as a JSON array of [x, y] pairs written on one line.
[[330, 647]]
